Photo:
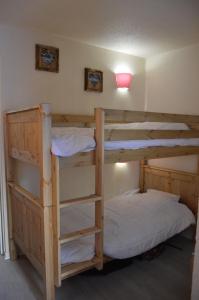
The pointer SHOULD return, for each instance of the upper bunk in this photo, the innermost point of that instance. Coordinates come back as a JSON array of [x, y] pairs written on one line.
[[29, 133]]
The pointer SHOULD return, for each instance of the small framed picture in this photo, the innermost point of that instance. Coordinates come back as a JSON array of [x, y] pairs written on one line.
[[93, 80], [47, 58]]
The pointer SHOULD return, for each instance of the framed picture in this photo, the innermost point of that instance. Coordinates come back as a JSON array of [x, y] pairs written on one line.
[[93, 80], [47, 58]]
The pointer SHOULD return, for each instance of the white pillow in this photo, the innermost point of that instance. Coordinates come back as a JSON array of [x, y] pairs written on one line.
[[164, 195], [131, 192]]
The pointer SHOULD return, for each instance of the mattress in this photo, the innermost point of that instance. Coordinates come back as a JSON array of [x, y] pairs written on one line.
[[133, 224], [69, 141]]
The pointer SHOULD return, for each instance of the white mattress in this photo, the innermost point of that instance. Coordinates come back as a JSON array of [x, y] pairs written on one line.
[[69, 141], [133, 224]]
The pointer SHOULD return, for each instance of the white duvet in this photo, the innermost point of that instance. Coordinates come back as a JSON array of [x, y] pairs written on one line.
[[133, 224], [69, 141]]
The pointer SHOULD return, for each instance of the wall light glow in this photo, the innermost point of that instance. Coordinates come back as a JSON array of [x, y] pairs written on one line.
[[121, 165], [123, 90], [123, 68]]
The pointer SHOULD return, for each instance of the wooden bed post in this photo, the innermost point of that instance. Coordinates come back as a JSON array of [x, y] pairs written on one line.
[[99, 186], [56, 219], [143, 163], [9, 178], [195, 274], [46, 196]]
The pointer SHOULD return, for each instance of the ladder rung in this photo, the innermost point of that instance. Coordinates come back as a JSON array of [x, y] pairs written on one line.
[[82, 200], [78, 234], [75, 268]]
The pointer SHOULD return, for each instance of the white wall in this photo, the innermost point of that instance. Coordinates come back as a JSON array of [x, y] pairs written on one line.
[[172, 86], [24, 86]]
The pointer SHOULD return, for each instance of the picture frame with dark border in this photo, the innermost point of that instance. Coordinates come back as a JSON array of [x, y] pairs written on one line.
[[46, 58], [93, 80]]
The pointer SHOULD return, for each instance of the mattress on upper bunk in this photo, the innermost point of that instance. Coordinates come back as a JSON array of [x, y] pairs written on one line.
[[67, 141], [133, 224]]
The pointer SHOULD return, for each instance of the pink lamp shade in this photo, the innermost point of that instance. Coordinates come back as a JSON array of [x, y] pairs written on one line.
[[123, 80]]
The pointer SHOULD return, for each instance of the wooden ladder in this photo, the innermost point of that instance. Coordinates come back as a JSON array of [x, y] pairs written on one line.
[[64, 271]]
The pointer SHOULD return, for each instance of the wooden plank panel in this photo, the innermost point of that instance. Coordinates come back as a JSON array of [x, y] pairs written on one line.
[[112, 156], [72, 120], [176, 182], [125, 116], [31, 143], [23, 136], [31, 115], [27, 227], [130, 134]]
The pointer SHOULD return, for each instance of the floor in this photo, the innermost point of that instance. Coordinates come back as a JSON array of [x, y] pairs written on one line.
[[167, 277]]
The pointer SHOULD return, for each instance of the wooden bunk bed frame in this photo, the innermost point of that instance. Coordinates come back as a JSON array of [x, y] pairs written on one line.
[[34, 222]]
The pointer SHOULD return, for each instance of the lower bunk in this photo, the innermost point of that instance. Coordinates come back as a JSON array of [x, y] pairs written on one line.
[[133, 224]]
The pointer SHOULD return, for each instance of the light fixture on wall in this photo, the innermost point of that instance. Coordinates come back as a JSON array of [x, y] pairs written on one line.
[[123, 80], [121, 165]]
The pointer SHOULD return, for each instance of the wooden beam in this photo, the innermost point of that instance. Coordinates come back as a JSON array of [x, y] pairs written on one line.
[[65, 238], [125, 116], [9, 178], [131, 134], [74, 269], [143, 164], [99, 185], [80, 200], [25, 109], [56, 219], [72, 120], [112, 156], [46, 196]]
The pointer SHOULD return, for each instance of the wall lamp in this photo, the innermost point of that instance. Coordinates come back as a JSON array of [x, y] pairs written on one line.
[[123, 80]]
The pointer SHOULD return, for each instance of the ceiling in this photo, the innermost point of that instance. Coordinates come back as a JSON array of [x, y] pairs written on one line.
[[140, 27]]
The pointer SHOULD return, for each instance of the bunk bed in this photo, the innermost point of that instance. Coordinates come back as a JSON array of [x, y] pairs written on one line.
[[34, 222]]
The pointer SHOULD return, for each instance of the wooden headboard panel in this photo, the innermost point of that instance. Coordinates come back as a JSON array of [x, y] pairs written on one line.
[[180, 183], [24, 135]]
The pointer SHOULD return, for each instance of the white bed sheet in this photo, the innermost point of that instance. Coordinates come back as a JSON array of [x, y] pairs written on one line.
[[69, 141], [133, 224]]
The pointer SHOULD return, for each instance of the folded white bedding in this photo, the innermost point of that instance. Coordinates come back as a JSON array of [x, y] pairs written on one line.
[[133, 224], [69, 141]]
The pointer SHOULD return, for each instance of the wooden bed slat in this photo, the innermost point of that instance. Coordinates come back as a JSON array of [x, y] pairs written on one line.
[[131, 134], [81, 200], [113, 156], [70, 120], [73, 269], [127, 116], [65, 238]]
